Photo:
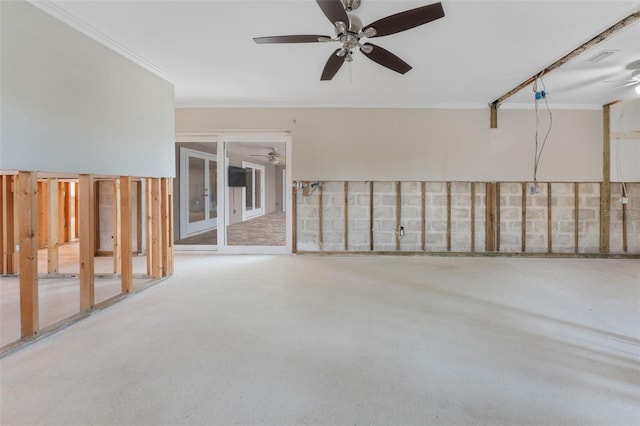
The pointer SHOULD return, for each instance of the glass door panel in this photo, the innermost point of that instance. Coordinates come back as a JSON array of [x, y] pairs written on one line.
[[196, 189]]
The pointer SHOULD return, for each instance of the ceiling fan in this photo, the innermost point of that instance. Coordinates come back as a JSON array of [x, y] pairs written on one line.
[[633, 80], [349, 31], [273, 156]]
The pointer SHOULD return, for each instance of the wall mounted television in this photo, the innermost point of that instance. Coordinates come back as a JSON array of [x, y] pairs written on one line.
[[237, 176]]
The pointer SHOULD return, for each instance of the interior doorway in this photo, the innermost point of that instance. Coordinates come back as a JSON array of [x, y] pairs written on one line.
[[198, 177]]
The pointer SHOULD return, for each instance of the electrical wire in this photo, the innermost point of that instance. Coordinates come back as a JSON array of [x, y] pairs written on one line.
[[540, 95]]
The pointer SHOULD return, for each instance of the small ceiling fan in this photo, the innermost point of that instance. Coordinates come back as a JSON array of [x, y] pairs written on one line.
[[633, 80], [349, 31], [272, 156]]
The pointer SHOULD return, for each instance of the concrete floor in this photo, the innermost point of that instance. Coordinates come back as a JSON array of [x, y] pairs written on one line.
[[306, 340]]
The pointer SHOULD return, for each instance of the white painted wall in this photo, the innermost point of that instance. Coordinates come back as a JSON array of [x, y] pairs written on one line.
[[69, 104], [625, 152], [419, 144]]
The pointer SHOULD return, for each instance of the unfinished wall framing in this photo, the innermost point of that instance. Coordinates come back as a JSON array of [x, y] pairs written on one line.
[[541, 218]]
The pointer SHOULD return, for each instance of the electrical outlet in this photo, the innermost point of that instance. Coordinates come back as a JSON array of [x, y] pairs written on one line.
[[624, 200], [534, 189]]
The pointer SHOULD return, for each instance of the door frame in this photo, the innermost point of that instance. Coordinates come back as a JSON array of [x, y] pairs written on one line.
[[187, 230], [254, 212]]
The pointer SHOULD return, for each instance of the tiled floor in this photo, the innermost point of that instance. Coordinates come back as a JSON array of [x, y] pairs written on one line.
[[317, 340]]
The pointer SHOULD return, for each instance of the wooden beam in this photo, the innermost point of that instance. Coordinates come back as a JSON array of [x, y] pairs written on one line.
[[398, 213], [371, 215], [473, 217], [170, 226], [96, 216], [149, 224], [3, 249], [423, 222], [117, 224], [497, 213], [43, 213], [576, 216], [125, 238], [320, 219], [448, 216], [9, 240], [53, 238], [139, 216], [59, 191], [623, 23], [66, 213], [86, 218], [493, 117], [346, 215], [294, 219], [27, 194], [605, 185], [164, 225], [490, 224], [523, 223], [549, 220], [156, 229], [76, 209], [623, 191]]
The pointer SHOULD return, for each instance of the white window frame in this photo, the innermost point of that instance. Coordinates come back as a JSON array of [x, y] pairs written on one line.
[[255, 212]]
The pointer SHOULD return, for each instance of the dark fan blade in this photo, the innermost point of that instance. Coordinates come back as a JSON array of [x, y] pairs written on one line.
[[334, 11], [301, 38], [332, 66], [386, 59], [406, 20]]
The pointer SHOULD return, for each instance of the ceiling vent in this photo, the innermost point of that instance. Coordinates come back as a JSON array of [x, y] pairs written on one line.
[[601, 55]]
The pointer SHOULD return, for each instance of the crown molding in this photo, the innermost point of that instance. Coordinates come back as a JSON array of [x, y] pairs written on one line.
[[54, 9]]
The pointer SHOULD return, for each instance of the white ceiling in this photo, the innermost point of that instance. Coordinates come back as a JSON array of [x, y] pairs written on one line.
[[477, 52]]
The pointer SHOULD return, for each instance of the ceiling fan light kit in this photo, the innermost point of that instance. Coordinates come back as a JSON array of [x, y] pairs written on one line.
[[349, 32]]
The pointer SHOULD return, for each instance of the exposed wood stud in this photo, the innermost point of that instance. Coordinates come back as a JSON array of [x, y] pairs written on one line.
[[549, 220], [86, 217], [28, 230], [605, 185], [96, 218], [3, 248], [9, 258], [490, 224], [76, 231], [623, 191], [448, 216], [497, 215], [170, 226], [117, 224], [53, 237], [576, 216], [59, 191], [164, 225], [294, 219], [423, 221], [148, 222], [126, 260], [346, 215], [523, 222], [493, 118], [629, 20], [66, 212], [139, 216], [43, 213], [156, 230], [320, 219], [473, 217], [398, 214], [371, 215]]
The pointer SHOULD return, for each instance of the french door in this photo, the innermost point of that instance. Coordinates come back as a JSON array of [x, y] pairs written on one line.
[[198, 200], [253, 194]]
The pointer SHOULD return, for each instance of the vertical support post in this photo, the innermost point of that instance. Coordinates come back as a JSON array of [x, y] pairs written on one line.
[[549, 227], [493, 115], [3, 249], [28, 231], [164, 225], [371, 215], [605, 185], [53, 240], [490, 224], [66, 213], [149, 224], [523, 223], [117, 224], [398, 213], [156, 230], [9, 253], [623, 191], [423, 222], [60, 193], [126, 259], [139, 216], [497, 209], [170, 226], [86, 218], [576, 216], [96, 216], [76, 231], [320, 220], [346, 215], [294, 219], [473, 217], [43, 213], [448, 216]]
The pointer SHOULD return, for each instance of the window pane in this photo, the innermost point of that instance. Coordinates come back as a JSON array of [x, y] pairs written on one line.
[[249, 189], [258, 197], [196, 189], [213, 187]]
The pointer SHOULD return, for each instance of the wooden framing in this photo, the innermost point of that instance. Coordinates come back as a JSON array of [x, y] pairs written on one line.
[[294, 219], [473, 217], [398, 213], [497, 215], [65, 233], [549, 220], [346, 215], [53, 238], [86, 217], [148, 222], [164, 225], [523, 227], [27, 203], [448, 216], [3, 250], [605, 185], [43, 215], [320, 219], [156, 229], [493, 115], [125, 229], [9, 255], [117, 224], [138, 185], [96, 216], [623, 191], [576, 216], [170, 232], [76, 209], [490, 225], [423, 222], [371, 215]]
